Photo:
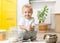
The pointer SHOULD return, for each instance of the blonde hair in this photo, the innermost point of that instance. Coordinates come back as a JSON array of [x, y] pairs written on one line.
[[27, 6]]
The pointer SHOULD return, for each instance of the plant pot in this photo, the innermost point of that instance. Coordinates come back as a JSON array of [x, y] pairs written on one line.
[[42, 27]]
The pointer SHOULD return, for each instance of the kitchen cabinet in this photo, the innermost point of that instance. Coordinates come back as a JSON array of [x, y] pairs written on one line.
[[8, 14], [0, 13], [57, 22]]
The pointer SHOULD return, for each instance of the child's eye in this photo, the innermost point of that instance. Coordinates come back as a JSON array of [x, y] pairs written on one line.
[[27, 12]]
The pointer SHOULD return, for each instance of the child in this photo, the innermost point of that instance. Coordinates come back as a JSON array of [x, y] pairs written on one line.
[[27, 24]]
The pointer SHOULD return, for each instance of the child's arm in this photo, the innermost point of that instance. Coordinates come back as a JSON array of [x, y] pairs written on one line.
[[21, 24], [23, 27], [32, 25]]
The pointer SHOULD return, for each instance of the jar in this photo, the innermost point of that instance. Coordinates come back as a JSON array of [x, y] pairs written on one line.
[[2, 35]]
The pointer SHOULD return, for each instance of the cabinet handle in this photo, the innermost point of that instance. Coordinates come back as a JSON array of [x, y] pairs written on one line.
[[10, 0], [10, 18]]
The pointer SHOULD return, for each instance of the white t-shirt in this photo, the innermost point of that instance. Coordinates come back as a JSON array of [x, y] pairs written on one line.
[[26, 22]]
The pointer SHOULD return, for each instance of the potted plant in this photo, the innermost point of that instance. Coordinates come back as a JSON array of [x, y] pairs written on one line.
[[42, 17]]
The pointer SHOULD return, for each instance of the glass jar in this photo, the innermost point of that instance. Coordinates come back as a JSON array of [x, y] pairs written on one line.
[[2, 35]]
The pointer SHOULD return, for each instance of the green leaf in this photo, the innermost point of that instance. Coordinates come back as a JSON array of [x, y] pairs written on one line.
[[42, 14]]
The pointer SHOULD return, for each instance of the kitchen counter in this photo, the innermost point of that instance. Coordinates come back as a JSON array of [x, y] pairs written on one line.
[[5, 41], [8, 41], [36, 42]]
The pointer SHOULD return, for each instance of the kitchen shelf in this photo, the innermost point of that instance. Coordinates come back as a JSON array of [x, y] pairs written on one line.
[[42, 1]]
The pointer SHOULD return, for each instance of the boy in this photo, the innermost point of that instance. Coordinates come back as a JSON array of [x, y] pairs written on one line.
[[27, 24]]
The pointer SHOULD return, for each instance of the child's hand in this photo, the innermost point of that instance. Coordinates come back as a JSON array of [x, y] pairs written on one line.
[[31, 28], [27, 29]]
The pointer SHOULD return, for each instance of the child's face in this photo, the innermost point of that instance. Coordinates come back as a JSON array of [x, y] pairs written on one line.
[[27, 13]]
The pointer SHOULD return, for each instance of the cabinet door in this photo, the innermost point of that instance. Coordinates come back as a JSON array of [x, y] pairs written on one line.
[[57, 23], [0, 14], [8, 14]]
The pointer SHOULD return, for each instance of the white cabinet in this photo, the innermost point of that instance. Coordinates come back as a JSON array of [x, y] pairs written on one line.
[[42, 1]]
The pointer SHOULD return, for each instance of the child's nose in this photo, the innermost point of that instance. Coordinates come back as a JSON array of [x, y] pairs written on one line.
[[27, 13]]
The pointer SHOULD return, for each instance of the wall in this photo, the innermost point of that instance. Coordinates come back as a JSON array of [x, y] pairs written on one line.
[[57, 7], [54, 8], [20, 3], [39, 5]]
